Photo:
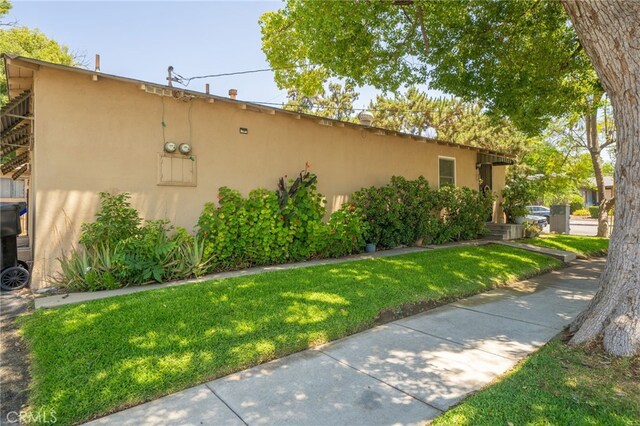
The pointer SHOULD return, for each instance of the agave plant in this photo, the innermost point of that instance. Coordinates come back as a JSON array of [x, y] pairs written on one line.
[[73, 269]]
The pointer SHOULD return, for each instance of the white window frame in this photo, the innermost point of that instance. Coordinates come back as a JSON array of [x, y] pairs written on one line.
[[455, 169]]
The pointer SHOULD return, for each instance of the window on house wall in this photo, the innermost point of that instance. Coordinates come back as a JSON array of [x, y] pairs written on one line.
[[447, 171], [10, 188]]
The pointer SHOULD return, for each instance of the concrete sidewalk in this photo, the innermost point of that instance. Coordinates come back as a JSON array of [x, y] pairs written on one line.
[[405, 372]]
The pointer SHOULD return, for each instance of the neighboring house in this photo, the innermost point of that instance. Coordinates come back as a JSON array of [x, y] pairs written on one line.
[[94, 132], [590, 195]]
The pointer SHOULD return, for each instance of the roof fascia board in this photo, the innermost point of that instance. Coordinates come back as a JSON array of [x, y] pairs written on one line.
[[35, 64]]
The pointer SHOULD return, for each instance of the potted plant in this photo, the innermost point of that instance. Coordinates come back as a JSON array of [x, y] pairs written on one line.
[[531, 229], [371, 237], [516, 196]]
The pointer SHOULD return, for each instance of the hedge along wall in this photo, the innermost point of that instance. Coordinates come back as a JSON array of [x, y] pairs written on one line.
[[123, 124], [267, 227], [405, 211]]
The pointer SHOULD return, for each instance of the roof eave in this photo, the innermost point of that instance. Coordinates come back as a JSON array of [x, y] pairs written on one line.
[[31, 63]]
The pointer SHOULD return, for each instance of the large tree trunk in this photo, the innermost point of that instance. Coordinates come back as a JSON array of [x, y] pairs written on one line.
[[610, 34], [593, 145]]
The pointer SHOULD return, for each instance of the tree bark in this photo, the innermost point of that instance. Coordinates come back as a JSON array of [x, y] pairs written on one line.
[[609, 32], [595, 151]]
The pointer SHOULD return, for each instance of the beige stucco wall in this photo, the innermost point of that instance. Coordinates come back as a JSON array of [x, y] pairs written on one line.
[[105, 135]]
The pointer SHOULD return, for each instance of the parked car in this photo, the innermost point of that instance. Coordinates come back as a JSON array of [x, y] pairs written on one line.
[[539, 220], [540, 211]]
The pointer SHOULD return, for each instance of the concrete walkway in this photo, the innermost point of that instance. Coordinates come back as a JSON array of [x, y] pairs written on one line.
[[405, 372]]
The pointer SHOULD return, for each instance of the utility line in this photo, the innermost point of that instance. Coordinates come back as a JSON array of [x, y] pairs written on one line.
[[281, 104], [186, 80]]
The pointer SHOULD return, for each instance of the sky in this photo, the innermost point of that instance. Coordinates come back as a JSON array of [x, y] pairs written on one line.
[[141, 39]]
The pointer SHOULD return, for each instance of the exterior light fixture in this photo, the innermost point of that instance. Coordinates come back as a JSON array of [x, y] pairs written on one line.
[[170, 147], [184, 148]]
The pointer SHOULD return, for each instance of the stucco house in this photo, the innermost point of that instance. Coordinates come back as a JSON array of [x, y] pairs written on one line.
[[590, 195], [77, 132]]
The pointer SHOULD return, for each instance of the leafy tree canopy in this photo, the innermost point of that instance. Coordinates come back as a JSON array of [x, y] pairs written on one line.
[[31, 43], [519, 56], [5, 7], [336, 104], [453, 120]]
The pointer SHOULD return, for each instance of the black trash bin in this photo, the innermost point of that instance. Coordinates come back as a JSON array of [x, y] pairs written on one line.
[[14, 274]]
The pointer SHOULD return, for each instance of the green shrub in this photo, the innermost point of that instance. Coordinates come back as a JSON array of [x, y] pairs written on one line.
[[381, 213], [464, 214], [81, 271], [390, 212], [408, 210], [343, 234], [302, 208], [582, 212], [147, 255], [265, 228], [117, 250], [576, 203], [419, 208], [244, 231], [517, 194], [115, 221], [594, 211]]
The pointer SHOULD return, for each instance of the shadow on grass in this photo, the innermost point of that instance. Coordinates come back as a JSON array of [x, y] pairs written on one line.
[[557, 385], [105, 355], [583, 246]]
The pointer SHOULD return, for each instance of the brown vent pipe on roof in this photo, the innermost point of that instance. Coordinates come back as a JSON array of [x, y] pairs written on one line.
[[233, 94]]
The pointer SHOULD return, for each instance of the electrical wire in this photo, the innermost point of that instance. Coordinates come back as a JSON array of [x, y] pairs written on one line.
[[282, 104], [163, 123], [186, 80]]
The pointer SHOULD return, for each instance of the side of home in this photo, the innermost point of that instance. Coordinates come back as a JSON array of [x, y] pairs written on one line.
[[94, 132], [590, 194]]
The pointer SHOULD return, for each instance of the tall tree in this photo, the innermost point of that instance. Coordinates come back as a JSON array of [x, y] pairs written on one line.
[[590, 132], [452, 119], [610, 34], [28, 42], [556, 174], [337, 104], [525, 59], [522, 58]]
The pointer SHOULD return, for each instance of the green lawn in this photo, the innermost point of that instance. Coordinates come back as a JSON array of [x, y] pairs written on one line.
[[97, 357], [557, 385], [583, 246]]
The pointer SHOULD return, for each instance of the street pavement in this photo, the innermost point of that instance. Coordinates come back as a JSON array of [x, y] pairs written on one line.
[[584, 227]]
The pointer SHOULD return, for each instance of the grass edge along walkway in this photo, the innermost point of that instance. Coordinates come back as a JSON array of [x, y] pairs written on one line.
[[556, 385], [95, 358], [582, 246]]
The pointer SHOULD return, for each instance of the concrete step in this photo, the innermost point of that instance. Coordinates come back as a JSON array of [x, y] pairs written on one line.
[[496, 237], [499, 234], [499, 226]]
